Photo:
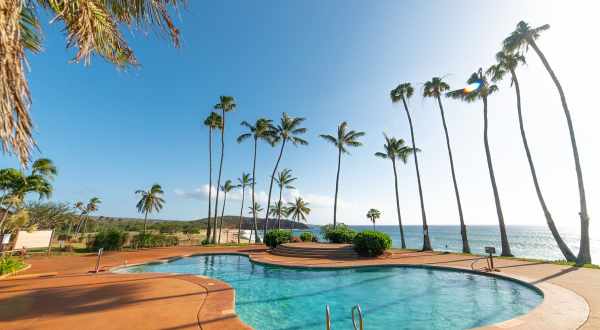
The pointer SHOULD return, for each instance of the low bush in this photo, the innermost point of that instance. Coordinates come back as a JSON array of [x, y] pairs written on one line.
[[108, 239], [10, 264], [276, 237], [308, 237], [150, 240], [371, 243], [341, 233]]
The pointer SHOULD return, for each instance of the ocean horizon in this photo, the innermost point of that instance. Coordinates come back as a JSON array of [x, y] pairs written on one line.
[[526, 241]]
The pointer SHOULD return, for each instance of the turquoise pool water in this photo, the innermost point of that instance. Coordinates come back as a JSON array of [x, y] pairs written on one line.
[[272, 297]]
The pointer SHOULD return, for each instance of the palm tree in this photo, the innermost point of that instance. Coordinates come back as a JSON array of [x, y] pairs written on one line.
[[396, 149], [213, 121], [226, 187], [435, 88], [482, 90], [523, 37], [17, 185], [344, 139], [287, 130], [255, 208], [278, 210], [93, 28], [226, 104], [244, 181], [261, 130], [150, 200], [298, 209], [402, 93], [284, 180], [508, 63], [90, 207], [373, 215]]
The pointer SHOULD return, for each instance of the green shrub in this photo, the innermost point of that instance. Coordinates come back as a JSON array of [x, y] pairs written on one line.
[[10, 264], [154, 240], [277, 236], [108, 239], [308, 237], [371, 243], [341, 234]]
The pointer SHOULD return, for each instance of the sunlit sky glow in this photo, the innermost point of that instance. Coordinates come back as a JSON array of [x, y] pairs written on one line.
[[113, 132]]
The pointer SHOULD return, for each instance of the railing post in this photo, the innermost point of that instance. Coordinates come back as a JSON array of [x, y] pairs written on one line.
[[327, 317], [360, 318]]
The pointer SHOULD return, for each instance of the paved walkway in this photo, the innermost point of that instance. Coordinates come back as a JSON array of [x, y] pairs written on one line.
[[58, 293]]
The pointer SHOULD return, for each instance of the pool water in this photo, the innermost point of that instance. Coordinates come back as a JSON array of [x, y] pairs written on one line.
[[273, 297]]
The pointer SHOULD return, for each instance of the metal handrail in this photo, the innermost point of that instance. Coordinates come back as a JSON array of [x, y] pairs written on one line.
[[360, 318], [327, 317]]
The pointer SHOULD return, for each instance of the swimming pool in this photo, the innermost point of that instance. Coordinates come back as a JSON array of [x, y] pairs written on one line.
[[273, 297]]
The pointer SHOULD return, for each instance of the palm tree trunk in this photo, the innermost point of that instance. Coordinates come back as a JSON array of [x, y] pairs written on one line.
[[564, 248], [222, 214], [503, 237], [426, 240], [208, 227], [4, 216], [241, 213], [256, 238], [373, 225], [337, 183], [584, 256], [271, 185], [219, 178], [463, 227], [280, 208], [144, 232], [402, 241]]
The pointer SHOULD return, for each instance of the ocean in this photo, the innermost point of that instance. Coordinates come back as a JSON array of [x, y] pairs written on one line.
[[525, 241]]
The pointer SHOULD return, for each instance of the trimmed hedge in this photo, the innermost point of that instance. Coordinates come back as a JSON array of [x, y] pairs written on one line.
[[277, 237], [308, 237], [371, 243], [154, 240], [341, 234], [109, 239]]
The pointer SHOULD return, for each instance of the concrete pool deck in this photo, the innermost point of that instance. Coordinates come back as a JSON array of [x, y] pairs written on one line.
[[58, 292]]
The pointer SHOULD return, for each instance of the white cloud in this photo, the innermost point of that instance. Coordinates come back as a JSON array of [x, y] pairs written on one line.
[[201, 193]]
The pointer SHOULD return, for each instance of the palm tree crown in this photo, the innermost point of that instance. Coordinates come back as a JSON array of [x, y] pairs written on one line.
[[485, 88], [521, 37], [255, 209], [262, 130], [373, 215], [403, 91], [435, 87], [344, 138], [150, 200], [213, 121], [298, 209], [245, 180], [288, 129], [396, 149], [285, 178], [226, 103], [507, 62]]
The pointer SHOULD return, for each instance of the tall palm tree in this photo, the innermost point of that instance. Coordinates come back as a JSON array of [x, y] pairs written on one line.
[[344, 138], [373, 215], [91, 27], [508, 63], [402, 93], [90, 207], [482, 89], [395, 149], [298, 209], [262, 130], [18, 185], [284, 180], [226, 104], [150, 201], [213, 121], [244, 181], [287, 130], [226, 188], [435, 88], [523, 37]]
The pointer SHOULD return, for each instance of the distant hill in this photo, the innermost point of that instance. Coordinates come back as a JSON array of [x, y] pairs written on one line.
[[248, 223], [229, 221]]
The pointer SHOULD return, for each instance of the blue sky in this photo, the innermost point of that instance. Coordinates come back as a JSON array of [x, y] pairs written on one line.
[[112, 132]]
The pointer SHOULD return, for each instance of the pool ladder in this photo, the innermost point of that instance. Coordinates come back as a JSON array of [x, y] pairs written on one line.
[[355, 309]]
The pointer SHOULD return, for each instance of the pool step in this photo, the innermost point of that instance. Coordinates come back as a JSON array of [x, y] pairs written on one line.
[[315, 250]]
